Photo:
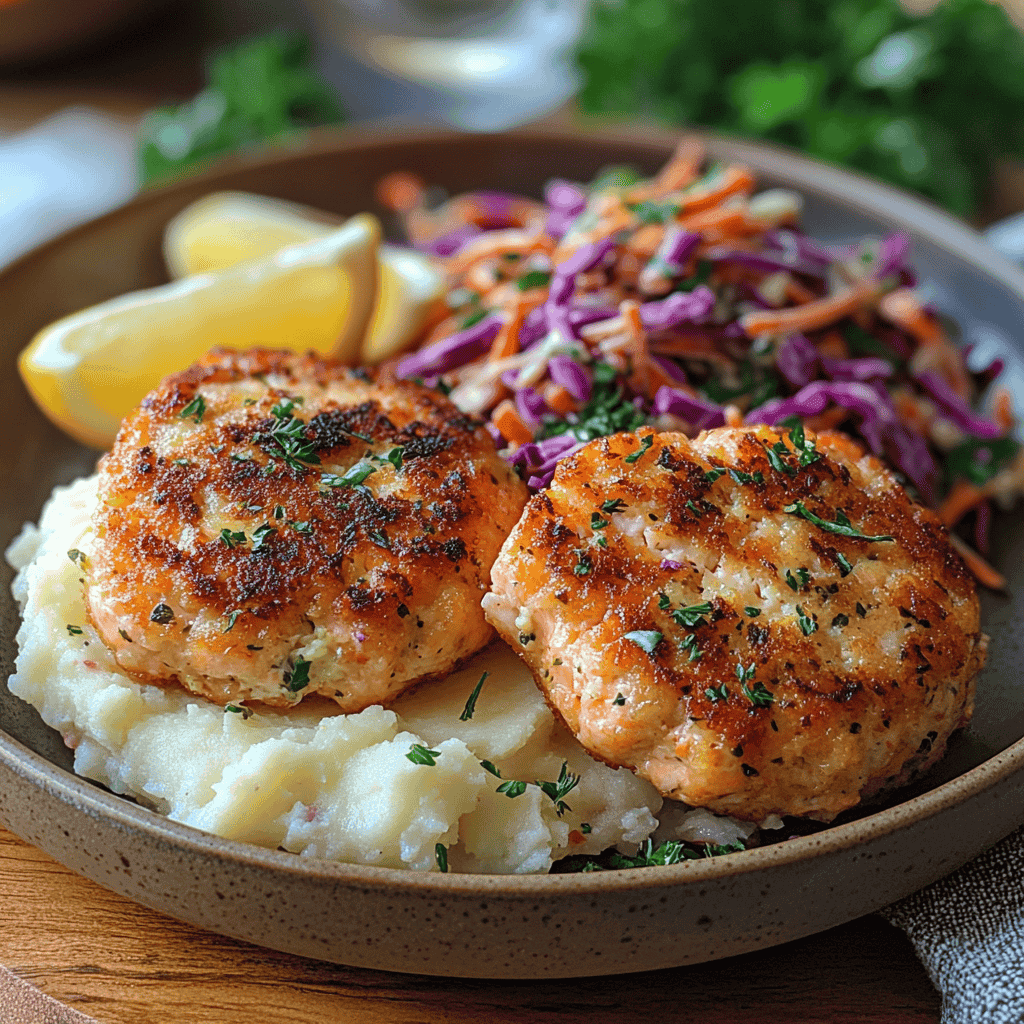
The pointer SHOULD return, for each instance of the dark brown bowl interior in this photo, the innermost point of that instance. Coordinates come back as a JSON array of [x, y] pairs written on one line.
[[121, 252]]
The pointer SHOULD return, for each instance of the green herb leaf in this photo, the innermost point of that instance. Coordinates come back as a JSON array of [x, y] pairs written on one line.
[[352, 477], [441, 856], [845, 568], [533, 279], [646, 639], [162, 614], [261, 535], [76, 556], [798, 582], [645, 446], [619, 700], [758, 695], [558, 790], [717, 693], [693, 615], [194, 410], [807, 624], [232, 619], [612, 505], [239, 709], [420, 754], [840, 526], [752, 611], [491, 767], [74, 630], [470, 708], [297, 678], [512, 788]]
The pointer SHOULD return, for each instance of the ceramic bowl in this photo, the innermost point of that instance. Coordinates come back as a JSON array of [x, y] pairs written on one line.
[[481, 926]]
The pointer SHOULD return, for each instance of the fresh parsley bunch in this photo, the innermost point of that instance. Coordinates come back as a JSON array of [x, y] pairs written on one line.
[[924, 101], [259, 90]]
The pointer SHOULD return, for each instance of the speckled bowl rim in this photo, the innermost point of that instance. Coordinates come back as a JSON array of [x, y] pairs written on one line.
[[809, 176]]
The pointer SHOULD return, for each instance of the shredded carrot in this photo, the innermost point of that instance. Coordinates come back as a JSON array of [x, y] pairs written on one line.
[[646, 239], [983, 572], [798, 292], [731, 182], [497, 243], [507, 341], [961, 499], [401, 191], [560, 399], [717, 222], [1002, 411], [829, 419], [507, 419], [832, 345], [680, 171], [812, 315]]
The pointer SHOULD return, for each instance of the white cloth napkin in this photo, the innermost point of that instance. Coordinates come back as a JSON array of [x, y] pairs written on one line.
[[61, 172]]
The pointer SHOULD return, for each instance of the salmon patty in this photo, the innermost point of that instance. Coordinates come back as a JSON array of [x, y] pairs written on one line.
[[272, 526], [759, 622]]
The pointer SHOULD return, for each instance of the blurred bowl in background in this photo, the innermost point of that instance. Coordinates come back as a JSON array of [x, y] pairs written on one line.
[[36, 30]]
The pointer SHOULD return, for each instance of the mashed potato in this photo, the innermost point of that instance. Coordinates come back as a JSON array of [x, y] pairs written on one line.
[[309, 779]]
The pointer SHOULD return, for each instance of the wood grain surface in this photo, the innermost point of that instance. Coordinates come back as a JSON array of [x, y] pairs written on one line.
[[123, 964]]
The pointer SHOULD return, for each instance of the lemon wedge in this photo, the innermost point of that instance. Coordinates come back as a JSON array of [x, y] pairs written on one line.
[[225, 228], [90, 369]]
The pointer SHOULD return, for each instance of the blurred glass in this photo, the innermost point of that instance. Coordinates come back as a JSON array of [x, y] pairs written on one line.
[[475, 64]]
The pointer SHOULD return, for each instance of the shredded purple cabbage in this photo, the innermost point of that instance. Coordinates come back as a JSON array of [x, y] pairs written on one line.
[[531, 406], [698, 412], [863, 369], [677, 308], [566, 202], [451, 352], [451, 242], [956, 408], [892, 254], [570, 375], [766, 261], [797, 360]]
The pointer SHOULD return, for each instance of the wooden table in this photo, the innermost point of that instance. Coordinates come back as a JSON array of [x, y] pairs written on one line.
[[123, 964]]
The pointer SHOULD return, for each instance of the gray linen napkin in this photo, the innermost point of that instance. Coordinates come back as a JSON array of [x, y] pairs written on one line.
[[968, 930], [22, 1003]]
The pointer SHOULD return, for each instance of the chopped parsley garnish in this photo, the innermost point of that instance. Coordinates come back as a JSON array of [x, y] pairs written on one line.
[[472, 319], [689, 643], [512, 788], [841, 620], [162, 614], [124, 636], [747, 478], [533, 279], [841, 526], [288, 434], [645, 446], [303, 527], [298, 677], [803, 445], [395, 457], [716, 693], [261, 534], [609, 411], [232, 537], [380, 538], [801, 579], [807, 624], [711, 475], [352, 477], [74, 630], [239, 709], [672, 851], [279, 511], [861, 610], [490, 766], [596, 522], [758, 695], [583, 564], [691, 616], [978, 460], [558, 790], [194, 409], [694, 508], [441, 856], [470, 708], [845, 568], [612, 505], [232, 619], [752, 611], [646, 639], [744, 675], [420, 754], [585, 828], [619, 700], [775, 455], [76, 556]]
